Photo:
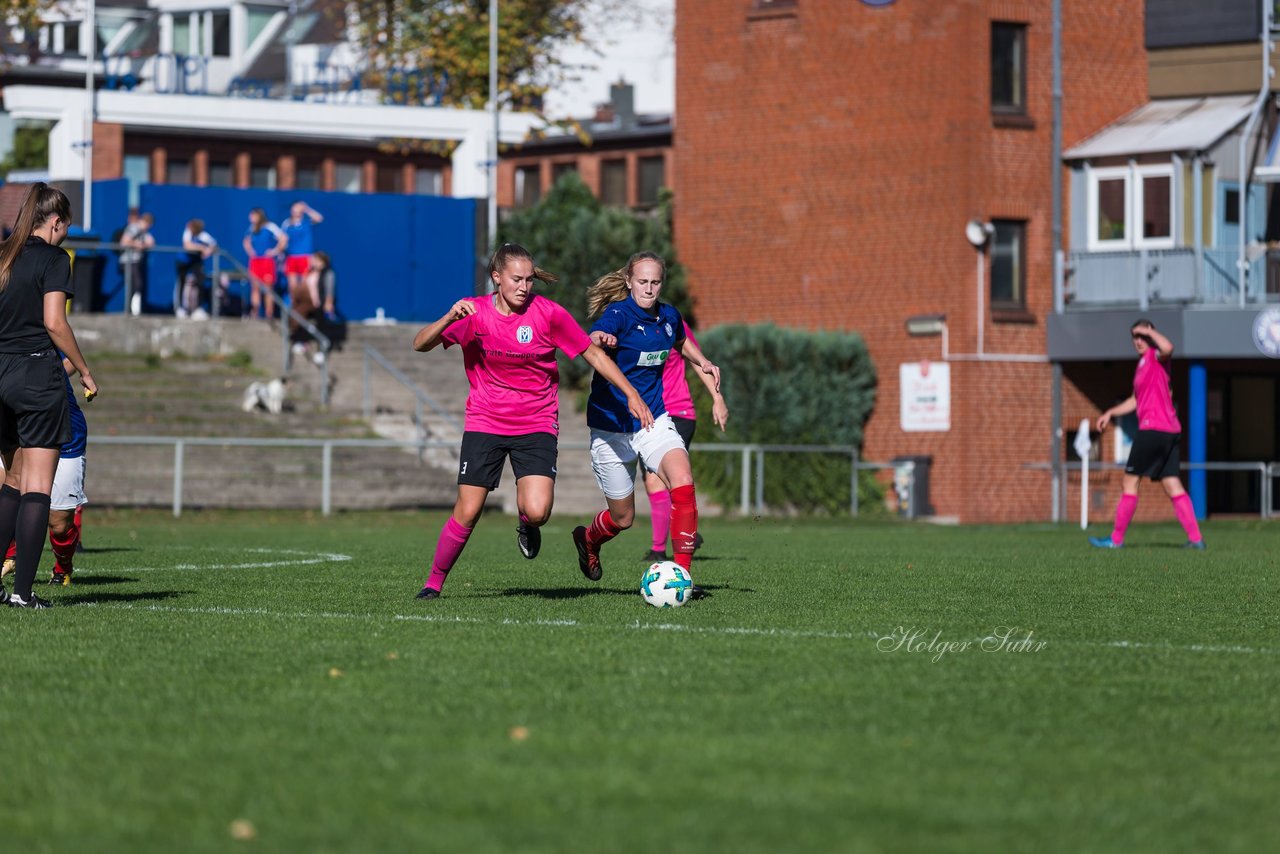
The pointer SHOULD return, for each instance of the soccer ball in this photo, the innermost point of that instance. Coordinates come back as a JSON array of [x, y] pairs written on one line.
[[666, 584]]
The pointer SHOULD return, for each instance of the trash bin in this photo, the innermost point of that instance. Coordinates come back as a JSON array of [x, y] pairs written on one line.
[[87, 266], [911, 485]]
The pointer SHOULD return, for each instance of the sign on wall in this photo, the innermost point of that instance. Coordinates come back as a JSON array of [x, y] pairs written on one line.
[[926, 396]]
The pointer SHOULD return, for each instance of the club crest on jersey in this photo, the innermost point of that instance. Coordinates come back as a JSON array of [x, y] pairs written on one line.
[[668, 328], [524, 334]]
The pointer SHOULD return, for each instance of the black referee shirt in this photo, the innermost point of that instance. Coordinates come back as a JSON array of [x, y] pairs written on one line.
[[38, 269]]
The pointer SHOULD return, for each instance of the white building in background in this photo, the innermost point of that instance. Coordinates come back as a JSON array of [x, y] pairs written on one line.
[[228, 93]]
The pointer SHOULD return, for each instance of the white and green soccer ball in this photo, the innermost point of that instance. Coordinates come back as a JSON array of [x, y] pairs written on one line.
[[666, 584]]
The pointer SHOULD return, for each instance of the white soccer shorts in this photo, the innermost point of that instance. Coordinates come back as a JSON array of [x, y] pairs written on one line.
[[613, 455], [68, 484]]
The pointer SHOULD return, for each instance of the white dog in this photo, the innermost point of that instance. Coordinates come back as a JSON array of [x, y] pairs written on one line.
[[267, 395]]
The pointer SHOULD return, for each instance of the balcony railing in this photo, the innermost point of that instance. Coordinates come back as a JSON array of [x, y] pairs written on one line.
[[1168, 277]]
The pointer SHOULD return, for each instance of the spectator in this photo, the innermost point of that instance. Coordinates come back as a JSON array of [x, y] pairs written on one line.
[[136, 240], [264, 243], [199, 245], [297, 228]]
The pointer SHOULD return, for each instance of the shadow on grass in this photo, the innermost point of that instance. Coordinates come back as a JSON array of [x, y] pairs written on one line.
[[106, 550], [86, 580], [561, 592], [115, 598]]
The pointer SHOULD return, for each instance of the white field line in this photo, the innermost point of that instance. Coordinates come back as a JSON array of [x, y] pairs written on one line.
[[636, 626], [307, 558]]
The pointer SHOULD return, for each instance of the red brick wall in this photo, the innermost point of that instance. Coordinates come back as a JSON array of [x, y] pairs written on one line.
[[828, 163]]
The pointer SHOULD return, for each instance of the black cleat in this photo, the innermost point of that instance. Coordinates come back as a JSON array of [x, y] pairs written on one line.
[[60, 579], [654, 555], [34, 602], [4, 596], [529, 538], [588, 557], [697, 540], [428, 593], [696, 592]]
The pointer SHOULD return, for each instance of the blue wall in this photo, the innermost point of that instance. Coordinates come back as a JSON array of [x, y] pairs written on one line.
[[413, 256]]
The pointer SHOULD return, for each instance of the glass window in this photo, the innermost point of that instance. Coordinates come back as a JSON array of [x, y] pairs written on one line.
[[559, 170], [257, 20], [1231, 207], [182, 35], [177, 172], [652, 179], [1111, 209], [263, 177], [389, 177], [613, 182], [71, 37], [221, 24], [1008, 68], [347, 177], [1157, 197], [220, 174], [528, 185], [429, 182], [1008, 276], [306, 178], [137, 171]]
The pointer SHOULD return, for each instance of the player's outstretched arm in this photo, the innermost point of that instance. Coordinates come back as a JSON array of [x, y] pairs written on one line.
[[1163, 344], [429, 336], [691, 352], [608, 368], [1122, 408]]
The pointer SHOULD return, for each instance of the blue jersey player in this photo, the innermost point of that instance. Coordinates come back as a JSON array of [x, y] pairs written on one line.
[[639, 333]]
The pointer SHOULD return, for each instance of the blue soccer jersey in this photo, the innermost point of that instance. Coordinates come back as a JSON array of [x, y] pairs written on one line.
[[301, 238], [79, 427], [644, 343]]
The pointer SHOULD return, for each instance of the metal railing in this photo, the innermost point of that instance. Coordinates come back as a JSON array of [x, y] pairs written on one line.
[[1176, 276], [752, 460], [224, 268], [422, 400], [1267, 472]]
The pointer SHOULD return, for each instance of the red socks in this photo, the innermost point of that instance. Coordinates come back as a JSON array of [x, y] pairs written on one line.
[[453, 539], [602, 529], [64, 548], [684, 524]]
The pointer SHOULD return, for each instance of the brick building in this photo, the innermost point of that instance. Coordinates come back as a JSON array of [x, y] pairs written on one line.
[[866, 137]]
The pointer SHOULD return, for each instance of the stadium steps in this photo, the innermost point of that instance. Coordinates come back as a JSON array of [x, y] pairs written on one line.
[[168, 377]]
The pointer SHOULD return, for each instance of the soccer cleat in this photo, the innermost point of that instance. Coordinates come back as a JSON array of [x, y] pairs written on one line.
[[1198, 545], [4, 596], [428, 593], [60, 579], [697, 540], [654, 554], [35, 603], [1104, 543], [529, 538], [9, 566], [696, 592], [588, 556]]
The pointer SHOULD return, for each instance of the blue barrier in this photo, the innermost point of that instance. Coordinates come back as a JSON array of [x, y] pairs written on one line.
[[412, 256]]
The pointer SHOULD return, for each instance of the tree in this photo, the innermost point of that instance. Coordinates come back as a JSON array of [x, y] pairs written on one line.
[[25, 14], [574, 236], [449, 40], [30, 148]]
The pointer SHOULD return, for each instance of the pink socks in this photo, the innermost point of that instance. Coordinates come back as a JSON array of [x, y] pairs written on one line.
[[453, 539], [1124, 515], [660, 504], [1186, 513]]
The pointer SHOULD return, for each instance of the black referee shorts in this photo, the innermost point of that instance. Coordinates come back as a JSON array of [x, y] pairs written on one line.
[[33, 401], [1155, 454], [482, 455]]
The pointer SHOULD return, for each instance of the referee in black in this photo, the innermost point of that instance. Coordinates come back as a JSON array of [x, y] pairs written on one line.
[[35, 284]]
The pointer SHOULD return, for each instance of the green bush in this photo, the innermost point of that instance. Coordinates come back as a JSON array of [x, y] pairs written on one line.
[[787, 387], [574, 236]]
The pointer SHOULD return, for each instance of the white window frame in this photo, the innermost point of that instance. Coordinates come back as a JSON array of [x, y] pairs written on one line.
[[1133, 177]]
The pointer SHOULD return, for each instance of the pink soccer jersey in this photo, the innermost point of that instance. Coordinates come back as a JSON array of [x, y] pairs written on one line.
[[1151, 389], [511, 365], [675, 388]]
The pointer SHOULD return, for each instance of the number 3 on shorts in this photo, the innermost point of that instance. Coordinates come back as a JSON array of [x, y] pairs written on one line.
[[464, 467]]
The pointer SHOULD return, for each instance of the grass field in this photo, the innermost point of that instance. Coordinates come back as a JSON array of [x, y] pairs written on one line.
[[270, 676]]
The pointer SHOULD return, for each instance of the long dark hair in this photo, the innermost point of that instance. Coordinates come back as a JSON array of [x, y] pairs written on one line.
[[42, 202]]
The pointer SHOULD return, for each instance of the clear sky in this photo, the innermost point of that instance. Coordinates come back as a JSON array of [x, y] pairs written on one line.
[[638, 47]]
